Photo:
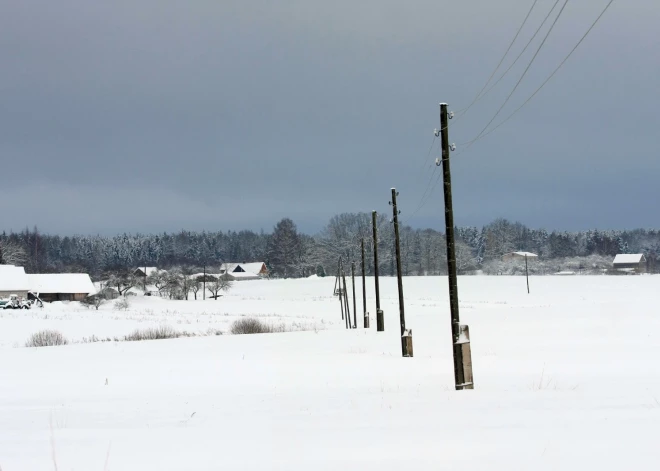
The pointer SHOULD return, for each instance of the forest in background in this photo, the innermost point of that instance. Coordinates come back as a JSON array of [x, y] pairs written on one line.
[[289, 253]]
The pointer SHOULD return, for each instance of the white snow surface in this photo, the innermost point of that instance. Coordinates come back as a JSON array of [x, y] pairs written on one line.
[[566, 378]]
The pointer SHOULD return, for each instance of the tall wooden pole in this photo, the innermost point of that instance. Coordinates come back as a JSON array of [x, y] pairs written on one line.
[[339, 293], [380, 321], [462, 356], [405, 342], [354, 305], [365, 318], [347, 309], [527, 273]]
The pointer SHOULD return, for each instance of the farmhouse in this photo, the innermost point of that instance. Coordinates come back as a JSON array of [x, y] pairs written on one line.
[[13, 280], [61, 286], [630, 262], [144, 272], [244, 271], [518, 255]]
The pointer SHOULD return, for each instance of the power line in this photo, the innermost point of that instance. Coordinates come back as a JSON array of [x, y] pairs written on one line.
[[430, 189], [469, 143], [554, 71], [521, 52], [478, 96]]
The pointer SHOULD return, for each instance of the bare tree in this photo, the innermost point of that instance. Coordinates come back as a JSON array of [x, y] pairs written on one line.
[[195, 286], [95, 300], [160, 280], [12, 253], [221, 283], [465, 259], [123, 280]]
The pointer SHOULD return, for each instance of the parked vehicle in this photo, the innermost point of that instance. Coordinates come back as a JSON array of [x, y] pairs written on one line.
[[14, 302]]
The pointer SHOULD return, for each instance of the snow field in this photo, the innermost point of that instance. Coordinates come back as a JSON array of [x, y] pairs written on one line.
[[566, 378]]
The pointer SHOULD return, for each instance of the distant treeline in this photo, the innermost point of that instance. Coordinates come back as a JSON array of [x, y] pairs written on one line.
[[288, 253]]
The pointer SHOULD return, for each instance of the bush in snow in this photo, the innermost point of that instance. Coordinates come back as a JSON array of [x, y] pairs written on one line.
[[122, 304], [46, 338], [93, 300], [154, 333], [250, 326]]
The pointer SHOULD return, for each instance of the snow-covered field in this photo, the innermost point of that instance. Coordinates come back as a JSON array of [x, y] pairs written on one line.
[[566, 378]]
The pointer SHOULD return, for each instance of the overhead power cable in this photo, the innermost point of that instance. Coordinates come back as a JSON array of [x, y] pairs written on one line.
[[554, 71], [469, 143], [515, 61], [478, 96]]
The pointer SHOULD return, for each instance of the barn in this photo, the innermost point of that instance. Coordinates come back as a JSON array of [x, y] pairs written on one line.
[[630, 262], [61, 286], [13, 280]]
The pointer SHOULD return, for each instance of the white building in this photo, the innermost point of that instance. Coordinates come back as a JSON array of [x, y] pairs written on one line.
[[13, 280]]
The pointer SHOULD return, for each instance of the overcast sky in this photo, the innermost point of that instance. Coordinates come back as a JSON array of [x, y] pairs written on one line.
[[154, 115]]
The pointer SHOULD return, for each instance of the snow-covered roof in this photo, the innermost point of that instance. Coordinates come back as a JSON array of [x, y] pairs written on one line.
[[228, 267], [61, 283], [628, 258], [522, 254], [254, 267], [13, 278]]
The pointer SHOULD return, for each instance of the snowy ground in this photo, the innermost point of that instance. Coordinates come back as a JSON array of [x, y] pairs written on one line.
[[566, 378]]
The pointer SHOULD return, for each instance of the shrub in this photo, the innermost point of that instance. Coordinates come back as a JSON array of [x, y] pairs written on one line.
[[93, 301], [154, 333], [46, 338], [250, 326], [122, 304]]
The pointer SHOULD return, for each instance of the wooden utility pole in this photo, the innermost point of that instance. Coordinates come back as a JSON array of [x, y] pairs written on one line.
[[380, 321], [406, 338], [527, 273], [460, 334], [354, 305], [347, 309], [365, 319], [339, 293]]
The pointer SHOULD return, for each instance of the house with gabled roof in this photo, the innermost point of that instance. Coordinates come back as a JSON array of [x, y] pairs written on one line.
[[244, 270], [634, 263]]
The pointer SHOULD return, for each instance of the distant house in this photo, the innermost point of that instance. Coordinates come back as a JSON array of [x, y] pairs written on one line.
[[518, 255], [13, 280], [144, 272], [61, 286], [244, 271], [630, 262]]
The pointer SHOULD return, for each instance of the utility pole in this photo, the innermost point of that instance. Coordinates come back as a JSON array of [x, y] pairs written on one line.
[[406, 337], [460, 333], [380, 321], [339, 293], [527, 273], [348, 311], [354, 305], [365, 319], [204, 283], [338, 280]]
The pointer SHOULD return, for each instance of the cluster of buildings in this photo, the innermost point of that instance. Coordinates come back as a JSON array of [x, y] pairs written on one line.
[[47, 287], [622, 263], [231, 271]]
